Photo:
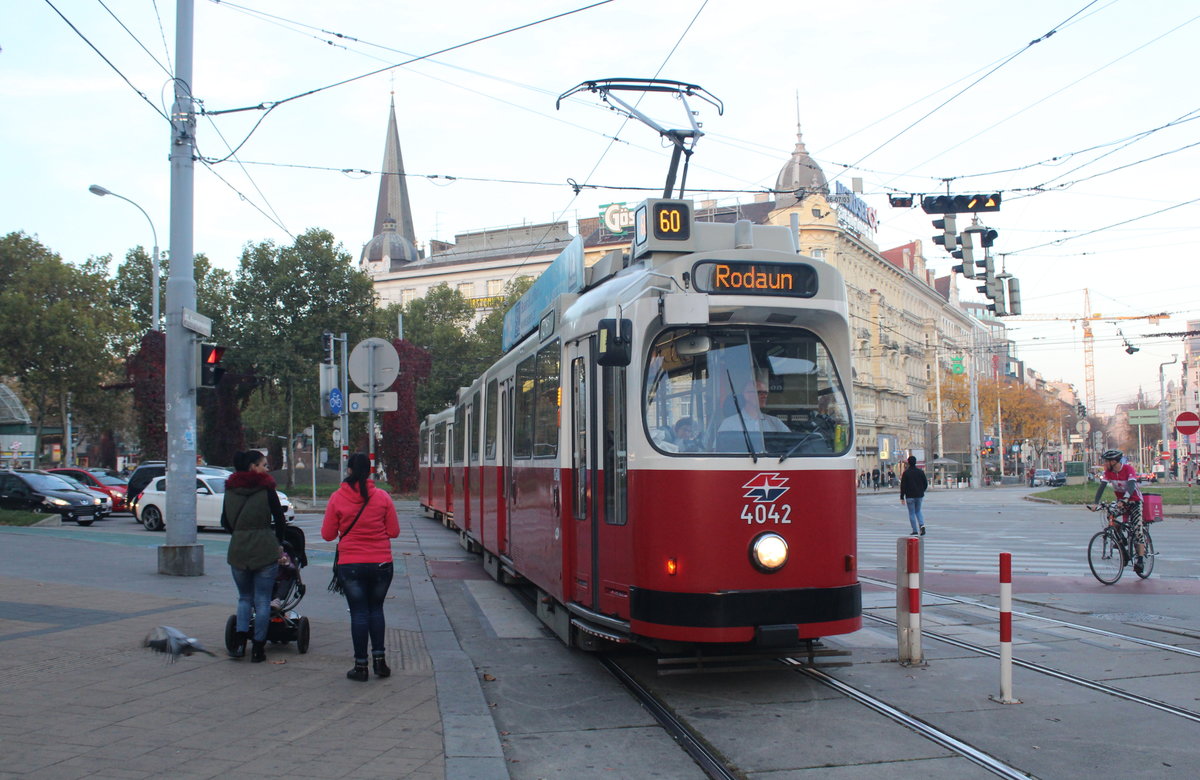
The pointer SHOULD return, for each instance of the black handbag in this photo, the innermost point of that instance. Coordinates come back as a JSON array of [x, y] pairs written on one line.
[[335, 582]]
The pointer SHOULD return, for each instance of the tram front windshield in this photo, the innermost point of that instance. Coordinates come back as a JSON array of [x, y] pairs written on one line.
[[746, 391]]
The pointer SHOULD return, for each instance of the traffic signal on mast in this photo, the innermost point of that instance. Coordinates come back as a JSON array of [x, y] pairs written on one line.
[[967, 252], [960, 204], [949, 237], [210, 365], [1014, 297]]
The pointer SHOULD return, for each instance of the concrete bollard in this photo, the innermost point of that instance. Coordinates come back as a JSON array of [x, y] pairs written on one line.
[[1006, 684]]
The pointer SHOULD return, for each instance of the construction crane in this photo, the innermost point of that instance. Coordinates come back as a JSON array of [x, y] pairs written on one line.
[[1089, 361]]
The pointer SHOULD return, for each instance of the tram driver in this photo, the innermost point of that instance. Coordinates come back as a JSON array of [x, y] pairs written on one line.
[[749, 415]]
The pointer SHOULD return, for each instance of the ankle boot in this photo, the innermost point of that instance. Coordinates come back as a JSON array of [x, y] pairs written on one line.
[[380, 666], [359, 673], [258, 652], [239, 645]]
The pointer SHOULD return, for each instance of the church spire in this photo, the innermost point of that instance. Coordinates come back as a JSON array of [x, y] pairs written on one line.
[[393, 187], [394, 239]]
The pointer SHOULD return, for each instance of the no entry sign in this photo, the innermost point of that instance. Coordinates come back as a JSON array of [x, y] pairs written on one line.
[[1187, 423]]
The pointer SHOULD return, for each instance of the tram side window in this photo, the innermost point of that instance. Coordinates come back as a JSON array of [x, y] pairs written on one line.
[[548, 394], [492, 421], [460, 433], [476, 409], [439, 443], [423, 447], [523, 411]]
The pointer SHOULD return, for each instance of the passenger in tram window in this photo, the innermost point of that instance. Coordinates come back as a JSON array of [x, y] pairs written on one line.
[[685, 435], [752, 418]]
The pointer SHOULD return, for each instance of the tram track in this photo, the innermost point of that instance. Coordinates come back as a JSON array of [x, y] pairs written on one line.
[[1055, 621], [1064, 676], [925, 729]]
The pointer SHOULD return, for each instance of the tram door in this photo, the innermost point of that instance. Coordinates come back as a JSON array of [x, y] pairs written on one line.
[[506, 468], [598, 463], [583, 506]]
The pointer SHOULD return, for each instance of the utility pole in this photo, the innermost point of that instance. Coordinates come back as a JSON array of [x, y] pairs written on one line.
[[976, 461], [181, 555], [1162, 403]]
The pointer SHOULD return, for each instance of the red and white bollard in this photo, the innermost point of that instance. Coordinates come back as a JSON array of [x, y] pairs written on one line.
[[1006, 692], [908, 601], [914, 600]]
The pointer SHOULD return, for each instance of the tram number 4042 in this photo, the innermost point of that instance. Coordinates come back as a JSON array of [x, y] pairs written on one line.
[[767, 513]]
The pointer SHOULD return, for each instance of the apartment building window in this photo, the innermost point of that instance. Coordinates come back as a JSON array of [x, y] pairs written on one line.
[[408, 295], [495, 287], [818, 254], [467, 289]]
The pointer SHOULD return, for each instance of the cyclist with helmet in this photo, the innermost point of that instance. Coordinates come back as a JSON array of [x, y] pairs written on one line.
[[1123, 478]]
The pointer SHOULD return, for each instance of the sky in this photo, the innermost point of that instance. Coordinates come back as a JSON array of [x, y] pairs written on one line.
[[1082, 113]]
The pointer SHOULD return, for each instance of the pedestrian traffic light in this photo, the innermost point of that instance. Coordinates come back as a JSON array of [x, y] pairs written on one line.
[[210, 365], [959, 204], [949, 237]]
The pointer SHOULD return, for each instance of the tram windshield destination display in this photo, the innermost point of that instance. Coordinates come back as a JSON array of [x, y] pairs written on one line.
[[798, 280]]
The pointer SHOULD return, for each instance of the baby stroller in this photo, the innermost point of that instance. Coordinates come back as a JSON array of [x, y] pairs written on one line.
[[286, 625]]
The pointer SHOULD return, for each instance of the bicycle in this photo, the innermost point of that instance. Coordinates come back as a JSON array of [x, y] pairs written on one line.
[[1113, 548]]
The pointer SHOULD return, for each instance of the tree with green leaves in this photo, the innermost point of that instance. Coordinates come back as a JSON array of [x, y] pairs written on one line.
[[283, 299], [63, 338]]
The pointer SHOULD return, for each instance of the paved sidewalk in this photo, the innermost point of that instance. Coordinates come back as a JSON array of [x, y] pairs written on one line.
[[81, 697]]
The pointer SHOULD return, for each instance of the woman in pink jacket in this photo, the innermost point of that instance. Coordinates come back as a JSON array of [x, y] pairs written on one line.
[[364, 518]]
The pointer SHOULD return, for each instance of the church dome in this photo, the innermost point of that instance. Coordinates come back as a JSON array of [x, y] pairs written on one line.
[[389, 248], [799, 176]]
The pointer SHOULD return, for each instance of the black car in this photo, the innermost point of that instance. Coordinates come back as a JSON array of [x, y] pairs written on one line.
[[31, 491], [142, 476], [1058, 480]]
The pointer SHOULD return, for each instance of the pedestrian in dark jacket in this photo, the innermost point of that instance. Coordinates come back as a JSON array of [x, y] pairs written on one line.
[[364, 518], [254, 515], [913, 485]]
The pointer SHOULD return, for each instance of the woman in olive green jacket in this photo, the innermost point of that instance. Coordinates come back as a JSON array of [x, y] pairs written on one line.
[[253, 514]]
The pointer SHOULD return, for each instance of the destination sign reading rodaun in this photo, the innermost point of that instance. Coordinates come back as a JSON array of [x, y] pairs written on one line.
[[797, 280]]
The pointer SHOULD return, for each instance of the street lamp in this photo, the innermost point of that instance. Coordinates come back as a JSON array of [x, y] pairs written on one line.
[[1162, 402], [96, 189]]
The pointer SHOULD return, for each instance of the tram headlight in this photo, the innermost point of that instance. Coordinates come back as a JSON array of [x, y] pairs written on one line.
[[768, 552]]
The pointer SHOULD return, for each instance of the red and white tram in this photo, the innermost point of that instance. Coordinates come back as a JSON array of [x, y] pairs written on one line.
[[666, 450]]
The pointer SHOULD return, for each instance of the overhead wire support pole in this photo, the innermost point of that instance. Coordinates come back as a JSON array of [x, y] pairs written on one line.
[[679, 138]]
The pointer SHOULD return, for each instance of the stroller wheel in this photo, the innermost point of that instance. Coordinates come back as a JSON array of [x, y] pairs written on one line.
[[302, 636], [231, 643]]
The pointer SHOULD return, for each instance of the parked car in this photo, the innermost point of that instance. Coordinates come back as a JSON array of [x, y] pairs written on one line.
[[99, 479], [1042, 477], [34, 491], [1058, 480], [140, 478], [106, 508], [210, 497]]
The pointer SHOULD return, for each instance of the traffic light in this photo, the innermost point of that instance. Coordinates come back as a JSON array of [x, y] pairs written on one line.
[[1014, 297], [949, 237], [987, 237], [900, 201], [960, 204], [967, 253], [210, 364]]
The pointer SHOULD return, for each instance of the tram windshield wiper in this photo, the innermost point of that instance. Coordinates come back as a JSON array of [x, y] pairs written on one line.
[[738, 408], [803, 439]]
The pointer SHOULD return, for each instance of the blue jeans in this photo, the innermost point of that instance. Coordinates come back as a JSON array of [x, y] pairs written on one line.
[[915, 517], [254, 594], [366, 586]]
